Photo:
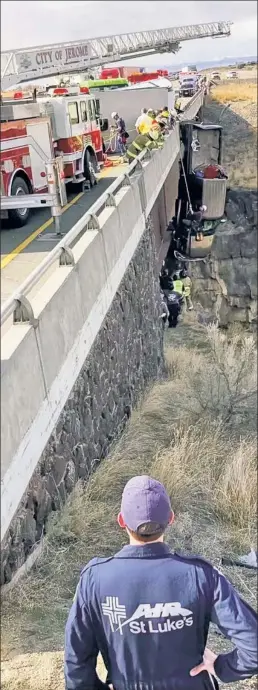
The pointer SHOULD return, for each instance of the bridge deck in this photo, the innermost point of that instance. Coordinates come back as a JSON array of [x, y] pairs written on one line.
[[22, 249]]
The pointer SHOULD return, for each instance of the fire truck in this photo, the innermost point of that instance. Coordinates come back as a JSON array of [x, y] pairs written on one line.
[[62, 124]]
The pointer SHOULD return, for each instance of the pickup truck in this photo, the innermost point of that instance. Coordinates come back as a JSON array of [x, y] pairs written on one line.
[[232, 75], [187, 87]]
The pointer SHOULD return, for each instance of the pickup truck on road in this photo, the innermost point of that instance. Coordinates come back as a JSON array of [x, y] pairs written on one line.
[[188, 87]]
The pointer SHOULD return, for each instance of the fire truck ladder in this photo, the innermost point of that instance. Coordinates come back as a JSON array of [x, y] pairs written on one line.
[[26, 64]]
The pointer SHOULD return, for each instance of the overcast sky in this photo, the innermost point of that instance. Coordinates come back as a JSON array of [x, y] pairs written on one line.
[[25, 24]]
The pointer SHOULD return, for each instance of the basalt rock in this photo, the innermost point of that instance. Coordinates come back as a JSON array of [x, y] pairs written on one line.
[[226, 283]]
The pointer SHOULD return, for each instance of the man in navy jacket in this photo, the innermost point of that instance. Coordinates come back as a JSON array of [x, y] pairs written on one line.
[[147, 611]]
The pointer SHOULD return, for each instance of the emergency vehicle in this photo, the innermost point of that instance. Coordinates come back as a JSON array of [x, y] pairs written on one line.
[[64, 123]]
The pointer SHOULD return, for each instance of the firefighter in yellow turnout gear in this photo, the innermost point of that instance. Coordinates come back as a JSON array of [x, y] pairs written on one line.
[[152, 140], [187, 283]]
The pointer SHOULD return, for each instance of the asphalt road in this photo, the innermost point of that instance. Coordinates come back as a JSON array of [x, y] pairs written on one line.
[[22, 249]]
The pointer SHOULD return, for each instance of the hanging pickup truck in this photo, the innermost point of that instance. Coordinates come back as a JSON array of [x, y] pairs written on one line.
[[202, 185]]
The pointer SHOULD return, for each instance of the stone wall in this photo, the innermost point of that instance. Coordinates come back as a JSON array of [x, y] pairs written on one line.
[[126, 356], [226, 283]]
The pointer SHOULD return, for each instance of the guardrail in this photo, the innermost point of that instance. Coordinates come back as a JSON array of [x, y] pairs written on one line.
[[17, 304], [62, 250]]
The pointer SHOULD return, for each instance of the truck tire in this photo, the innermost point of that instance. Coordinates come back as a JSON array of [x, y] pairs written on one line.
[[19, 216], [90, 168]]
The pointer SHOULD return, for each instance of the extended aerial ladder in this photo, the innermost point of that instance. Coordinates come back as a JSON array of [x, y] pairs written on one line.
[[18, 66]]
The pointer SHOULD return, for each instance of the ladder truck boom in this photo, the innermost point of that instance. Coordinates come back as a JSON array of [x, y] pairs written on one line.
[[26, 64]]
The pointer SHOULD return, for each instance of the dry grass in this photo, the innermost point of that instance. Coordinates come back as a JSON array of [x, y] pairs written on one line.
[[188, 440], [239, 123], [234, 92]]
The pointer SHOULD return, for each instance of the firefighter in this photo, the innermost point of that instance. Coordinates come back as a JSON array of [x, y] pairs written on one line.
[[165, 112], [147, 609], [178, 284], [175, 303], [151, 113], [178, 105], [196, 218], [187, 283], [122, 134], [144, 122], [165, 280], [149, 141], [164, 309]]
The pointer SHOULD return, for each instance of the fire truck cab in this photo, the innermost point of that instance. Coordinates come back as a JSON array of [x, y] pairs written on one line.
[[75, 130], [64, 123]]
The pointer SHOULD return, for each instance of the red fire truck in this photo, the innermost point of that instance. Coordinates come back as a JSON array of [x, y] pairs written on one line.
[[65, 124]]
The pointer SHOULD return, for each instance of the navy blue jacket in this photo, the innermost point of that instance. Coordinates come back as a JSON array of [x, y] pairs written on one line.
[[147, 611]]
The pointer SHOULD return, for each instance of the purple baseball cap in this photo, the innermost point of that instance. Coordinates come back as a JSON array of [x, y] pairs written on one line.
[[145, 500]]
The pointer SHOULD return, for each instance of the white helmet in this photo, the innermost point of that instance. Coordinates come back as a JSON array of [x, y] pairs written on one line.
[[154, 134], [113, 115], [203, 208]]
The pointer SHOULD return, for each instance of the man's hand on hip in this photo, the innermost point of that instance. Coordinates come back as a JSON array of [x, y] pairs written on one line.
[[208, 662]]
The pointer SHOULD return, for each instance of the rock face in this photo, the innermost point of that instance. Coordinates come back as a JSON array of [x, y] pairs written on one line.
[[126, 356], [226, 283]]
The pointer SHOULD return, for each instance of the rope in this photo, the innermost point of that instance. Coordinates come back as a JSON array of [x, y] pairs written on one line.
[[187, 259], [186, 185]]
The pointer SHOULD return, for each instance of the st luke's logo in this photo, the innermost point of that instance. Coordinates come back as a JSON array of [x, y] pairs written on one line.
[[159, 618]]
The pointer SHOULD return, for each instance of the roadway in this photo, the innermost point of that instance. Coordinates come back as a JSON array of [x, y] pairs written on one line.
[[22, 249]]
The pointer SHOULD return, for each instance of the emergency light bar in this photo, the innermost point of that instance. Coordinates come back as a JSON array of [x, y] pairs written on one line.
[[145, 76], [64, 91]]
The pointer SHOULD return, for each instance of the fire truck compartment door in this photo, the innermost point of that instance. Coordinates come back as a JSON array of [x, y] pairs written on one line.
[[40, 131]]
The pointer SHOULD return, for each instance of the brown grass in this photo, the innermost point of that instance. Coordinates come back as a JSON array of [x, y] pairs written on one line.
[[239, 123], [234, 92], [190, 442]]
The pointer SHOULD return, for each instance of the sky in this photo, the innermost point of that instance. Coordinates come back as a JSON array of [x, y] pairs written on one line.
[[24, 24]]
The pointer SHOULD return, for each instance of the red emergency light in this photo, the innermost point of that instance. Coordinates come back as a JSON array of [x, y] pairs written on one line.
[[163, 72], [17, 94], [60, 92], [84, 89], [110, 73], [144, 76]]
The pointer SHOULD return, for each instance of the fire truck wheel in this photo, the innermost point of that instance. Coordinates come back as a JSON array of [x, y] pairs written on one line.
[[19, 216], [90, 167]]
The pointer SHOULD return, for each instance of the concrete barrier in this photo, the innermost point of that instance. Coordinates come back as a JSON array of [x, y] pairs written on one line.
[[41, 362]]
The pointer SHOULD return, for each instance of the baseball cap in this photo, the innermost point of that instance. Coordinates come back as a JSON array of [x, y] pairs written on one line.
[[144, 501]]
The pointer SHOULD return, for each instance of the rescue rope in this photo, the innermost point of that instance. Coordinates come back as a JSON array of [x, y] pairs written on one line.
[[183, 168], [183, 257], [111, 142]]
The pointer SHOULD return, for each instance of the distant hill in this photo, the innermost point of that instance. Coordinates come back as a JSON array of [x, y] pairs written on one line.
[[223, 62]]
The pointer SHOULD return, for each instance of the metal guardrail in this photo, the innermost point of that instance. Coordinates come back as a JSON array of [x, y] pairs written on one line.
[[63, 251]]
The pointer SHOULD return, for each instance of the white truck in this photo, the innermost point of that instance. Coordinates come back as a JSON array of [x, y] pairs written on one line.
[[128, 102]]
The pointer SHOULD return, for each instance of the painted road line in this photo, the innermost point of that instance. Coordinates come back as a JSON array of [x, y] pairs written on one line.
[[10, 257], [20, 248]]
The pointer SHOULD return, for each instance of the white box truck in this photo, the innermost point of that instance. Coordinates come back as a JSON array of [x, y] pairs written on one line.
[[128, 102]]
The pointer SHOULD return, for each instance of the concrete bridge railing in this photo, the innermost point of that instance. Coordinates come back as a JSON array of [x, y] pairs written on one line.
[[43, 352]]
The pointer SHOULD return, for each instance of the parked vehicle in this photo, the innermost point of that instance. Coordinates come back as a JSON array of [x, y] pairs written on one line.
[[128, 101], [232, 75], [216, 76], [64, 123], [188, 87]]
